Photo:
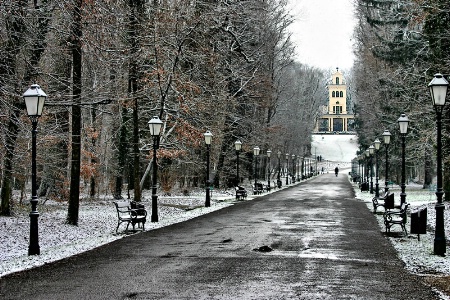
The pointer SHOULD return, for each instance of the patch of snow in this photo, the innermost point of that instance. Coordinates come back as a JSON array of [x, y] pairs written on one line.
[[96, 227], [417, 255], [336, 148]]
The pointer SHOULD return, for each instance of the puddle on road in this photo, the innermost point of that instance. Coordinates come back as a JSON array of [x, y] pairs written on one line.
[[312, 254]]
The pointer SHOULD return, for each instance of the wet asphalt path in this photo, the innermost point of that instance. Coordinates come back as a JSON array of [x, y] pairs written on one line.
[[326, 245]]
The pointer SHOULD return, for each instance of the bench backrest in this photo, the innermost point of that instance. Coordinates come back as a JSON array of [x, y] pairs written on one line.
[[123, 208]]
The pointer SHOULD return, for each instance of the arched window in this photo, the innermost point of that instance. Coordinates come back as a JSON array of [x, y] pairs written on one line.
[[333, 94], [341, 94], [337, 80]]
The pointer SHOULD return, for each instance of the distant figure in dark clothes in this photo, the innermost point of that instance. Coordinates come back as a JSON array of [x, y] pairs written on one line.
[[336, 171]]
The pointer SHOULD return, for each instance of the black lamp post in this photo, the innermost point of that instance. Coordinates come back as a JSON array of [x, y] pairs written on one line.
[[361, 168], [256, 154], [155, 125], [34, 99], [438, 89], [238, 147], [279, 169], [367, 166], [403, 124], [208, 137], [307, 170], [387, 140], [371, 151], [269, 152], [293, 168], [287, 168], [302, 171], [377, 144]]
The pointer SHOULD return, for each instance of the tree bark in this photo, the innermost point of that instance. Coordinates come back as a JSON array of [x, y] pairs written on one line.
[[74, 199]]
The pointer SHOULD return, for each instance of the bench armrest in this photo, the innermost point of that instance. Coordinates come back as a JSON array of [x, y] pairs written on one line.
[[400, 212], [138, 213]]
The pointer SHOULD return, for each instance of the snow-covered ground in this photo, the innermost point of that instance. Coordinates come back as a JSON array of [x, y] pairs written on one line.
[[97, 225], [417, 254], [337, 148]]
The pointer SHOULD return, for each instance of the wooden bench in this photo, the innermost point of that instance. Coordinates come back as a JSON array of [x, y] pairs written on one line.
[[241, 193], [127, 214], [258, 188], [386, 201], [399, 217], [364, 186]]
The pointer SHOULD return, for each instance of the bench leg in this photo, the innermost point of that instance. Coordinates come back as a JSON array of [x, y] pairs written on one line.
[[404, 229], [118, 224], [126, 230]]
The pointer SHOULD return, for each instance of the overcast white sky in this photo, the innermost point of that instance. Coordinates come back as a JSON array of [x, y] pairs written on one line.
[[319, 43]]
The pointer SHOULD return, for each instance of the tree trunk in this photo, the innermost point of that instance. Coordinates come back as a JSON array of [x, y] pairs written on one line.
[[93, 152], [136, 8], [7, 71], [6, 192], [446, 154], [74, 199], [122, 154]]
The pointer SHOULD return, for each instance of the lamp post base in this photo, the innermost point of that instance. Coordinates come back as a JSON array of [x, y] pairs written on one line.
[[208, 197], [440, 247], [439, 238], [33, 248], [154, 217]]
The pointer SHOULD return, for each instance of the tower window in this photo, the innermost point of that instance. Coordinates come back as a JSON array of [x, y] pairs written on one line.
[[337, 80], [337, 110], [341, 94], [333, 94]]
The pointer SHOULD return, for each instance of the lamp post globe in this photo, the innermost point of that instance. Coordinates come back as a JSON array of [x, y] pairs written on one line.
[[208, 138], [238, 145], [438, 90], [155, 125], [403, 122], [34, 99], [386, 140]]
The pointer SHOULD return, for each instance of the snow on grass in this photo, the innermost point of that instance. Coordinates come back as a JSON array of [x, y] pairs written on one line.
[[417, 255], [96, 227]]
